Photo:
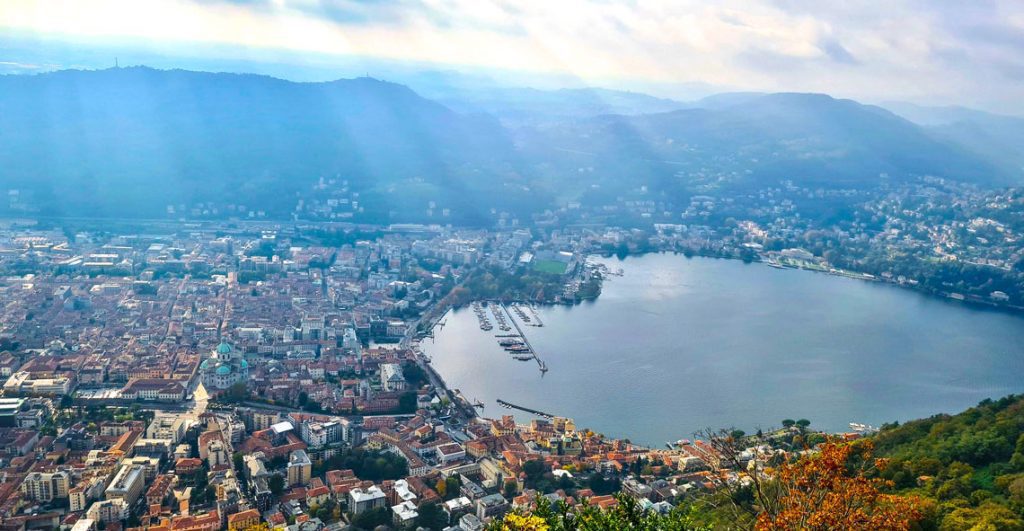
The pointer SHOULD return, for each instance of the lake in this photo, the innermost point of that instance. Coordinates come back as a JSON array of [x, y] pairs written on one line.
[[676, 345]]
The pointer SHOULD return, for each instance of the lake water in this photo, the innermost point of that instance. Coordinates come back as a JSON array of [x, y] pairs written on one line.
[[676, 345]]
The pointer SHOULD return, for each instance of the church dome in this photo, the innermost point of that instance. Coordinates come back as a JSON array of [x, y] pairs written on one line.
[[224, 348], [223, 370]]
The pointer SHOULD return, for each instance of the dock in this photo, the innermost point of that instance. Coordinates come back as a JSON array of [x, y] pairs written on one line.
[[509, 405], [540, 363]]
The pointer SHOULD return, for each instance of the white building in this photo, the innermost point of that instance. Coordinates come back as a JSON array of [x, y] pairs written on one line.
[[391, 377], [404, 514], [167, 426], [45, 487], [108, 511], [22, 383], [127, 484], [360, 500]]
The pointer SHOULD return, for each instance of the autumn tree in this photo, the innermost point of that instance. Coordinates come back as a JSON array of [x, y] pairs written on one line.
[[832, 490]]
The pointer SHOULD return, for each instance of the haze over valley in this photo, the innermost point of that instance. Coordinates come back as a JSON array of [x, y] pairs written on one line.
[[483, 265]]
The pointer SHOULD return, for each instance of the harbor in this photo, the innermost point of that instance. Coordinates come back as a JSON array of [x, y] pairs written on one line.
[[481, 316], [520, 346]]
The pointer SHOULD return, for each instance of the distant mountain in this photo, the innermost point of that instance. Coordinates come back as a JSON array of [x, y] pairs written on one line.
[[997, 137], [527, 105], [811, 139], [132, 141], [519, 106], [726, 99]]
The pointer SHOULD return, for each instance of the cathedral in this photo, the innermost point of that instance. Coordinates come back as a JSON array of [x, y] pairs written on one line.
[[224, 368]]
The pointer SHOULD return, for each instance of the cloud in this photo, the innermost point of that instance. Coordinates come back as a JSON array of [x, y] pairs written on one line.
[[835, 51], [931, 51]]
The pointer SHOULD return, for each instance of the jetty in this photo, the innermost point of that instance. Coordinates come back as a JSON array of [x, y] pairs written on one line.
[[540, 363], [509, 405]]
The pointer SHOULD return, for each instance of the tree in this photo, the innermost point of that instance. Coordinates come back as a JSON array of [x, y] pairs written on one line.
[[988, 515], [407, 402], [372, 518], [534, 470], [627, 514], [601, 485], [431, 516], [831, 490], [788, 423], [452, 485], [236, 393], [276, 484], [803, 423], [510, 489]]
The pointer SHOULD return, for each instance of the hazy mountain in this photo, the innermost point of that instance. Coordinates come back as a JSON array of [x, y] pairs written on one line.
[[520, 106], [997, 137], [131, 141], [726, 99], [808, 138]]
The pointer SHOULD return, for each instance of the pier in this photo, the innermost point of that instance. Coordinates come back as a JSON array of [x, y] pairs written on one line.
[[509, 405], [540, 363]]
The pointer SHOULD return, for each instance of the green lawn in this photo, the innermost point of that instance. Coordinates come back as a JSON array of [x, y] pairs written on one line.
[[549, 266]]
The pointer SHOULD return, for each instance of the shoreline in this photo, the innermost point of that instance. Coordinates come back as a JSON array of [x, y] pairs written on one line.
[[966, 300], [835, 427]]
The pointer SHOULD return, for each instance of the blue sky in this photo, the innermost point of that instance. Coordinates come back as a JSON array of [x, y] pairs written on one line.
[[936, 52]]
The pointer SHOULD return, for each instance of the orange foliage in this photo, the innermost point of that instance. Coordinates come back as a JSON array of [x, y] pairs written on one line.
[[828, 491]]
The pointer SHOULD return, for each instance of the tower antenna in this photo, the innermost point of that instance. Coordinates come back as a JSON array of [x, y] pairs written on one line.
[[116, 65]]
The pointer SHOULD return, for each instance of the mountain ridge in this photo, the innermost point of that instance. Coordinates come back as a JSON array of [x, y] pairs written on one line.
[[133, 141]]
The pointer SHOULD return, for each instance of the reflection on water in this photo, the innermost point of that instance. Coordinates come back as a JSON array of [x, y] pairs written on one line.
[[676, 345]]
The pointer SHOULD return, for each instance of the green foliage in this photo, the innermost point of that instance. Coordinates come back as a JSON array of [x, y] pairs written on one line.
[[451, 488], [988, 516], [431, 516], [367, 464], [372, 518], [626, 515], [235, 394], [276, 484], [407, 402], [498, 283], [970, 464], [601, 485], [415, 375], [553, 267]]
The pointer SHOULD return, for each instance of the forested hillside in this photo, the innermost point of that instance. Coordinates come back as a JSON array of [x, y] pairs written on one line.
[[969, 467]]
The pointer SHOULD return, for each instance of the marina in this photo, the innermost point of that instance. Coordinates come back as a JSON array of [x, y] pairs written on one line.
[[499, 316], [717, 329], [523, 350], [481, 316]]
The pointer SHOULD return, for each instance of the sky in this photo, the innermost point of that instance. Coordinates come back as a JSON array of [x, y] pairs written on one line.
[[928, 51]]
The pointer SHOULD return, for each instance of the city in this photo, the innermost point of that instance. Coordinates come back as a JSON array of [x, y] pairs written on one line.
[[480, 265], [229, 385]]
